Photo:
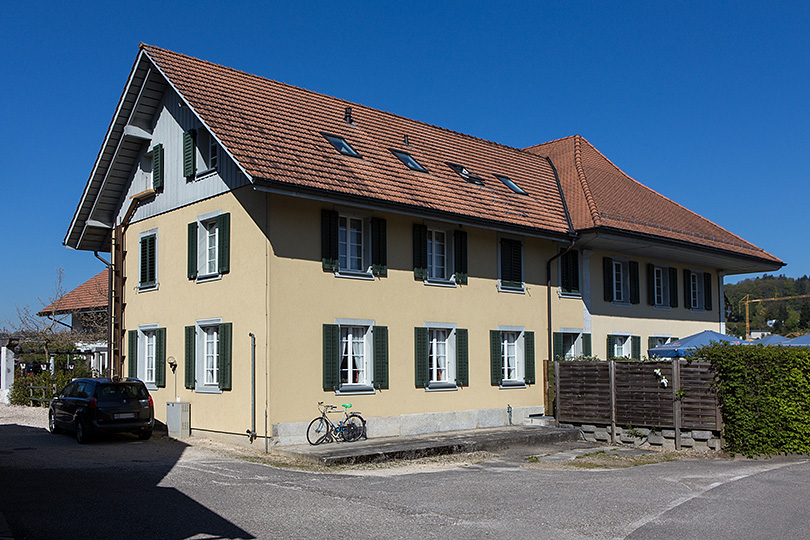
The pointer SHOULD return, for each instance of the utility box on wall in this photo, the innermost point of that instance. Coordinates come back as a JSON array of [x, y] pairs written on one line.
[[178, 419]]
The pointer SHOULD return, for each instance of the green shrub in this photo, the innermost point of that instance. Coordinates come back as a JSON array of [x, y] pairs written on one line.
[[764, 395], [19, 389]]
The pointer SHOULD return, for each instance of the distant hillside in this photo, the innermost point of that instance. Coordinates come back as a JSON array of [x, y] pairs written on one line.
[[790, 316]]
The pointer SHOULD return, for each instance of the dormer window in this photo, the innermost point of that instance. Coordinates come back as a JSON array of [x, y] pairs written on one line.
[[409, 161], [510, 184], [465, 173], [341, 145]]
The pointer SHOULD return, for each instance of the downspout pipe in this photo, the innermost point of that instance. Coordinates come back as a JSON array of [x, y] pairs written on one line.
[[252, 431], [573, 233], [109, 314]]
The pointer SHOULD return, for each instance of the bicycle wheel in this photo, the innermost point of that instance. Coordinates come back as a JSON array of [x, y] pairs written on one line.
[[354, 428], [318, 431]]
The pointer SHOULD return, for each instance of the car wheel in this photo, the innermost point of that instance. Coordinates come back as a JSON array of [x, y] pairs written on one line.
[[52, 427], [81, 432], [144, 435]]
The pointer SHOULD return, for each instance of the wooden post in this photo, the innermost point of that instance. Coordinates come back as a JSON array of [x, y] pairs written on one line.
[[612, 371], [556, 390], [676, 402]]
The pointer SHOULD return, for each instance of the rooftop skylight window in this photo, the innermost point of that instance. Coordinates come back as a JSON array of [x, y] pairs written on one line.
[[511, 185], [465, 173], [409, 161], [341, 145]]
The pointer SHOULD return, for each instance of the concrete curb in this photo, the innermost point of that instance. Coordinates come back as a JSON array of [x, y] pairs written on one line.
[[392, 448]]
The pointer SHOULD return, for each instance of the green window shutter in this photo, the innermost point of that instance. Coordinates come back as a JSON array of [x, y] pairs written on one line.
[[687, 289], [607, 276], [495, 361], [380, 336], [420, 348], [635, 347], [611, 347], [462, 357], [635, 295], [419, 251], [224, 243], [511, 263], [587, 349], [651, 284], [148, 260], [707, 291], [192, 250], [132, 360], [189, 154], [650, 342], [329, 240], [191, 353], [569, 272], [160, 357], [379, 247], [331, 356], [557, 346], [673, 287], [528, 357], [225, 352], [460, 256], [157, 167]]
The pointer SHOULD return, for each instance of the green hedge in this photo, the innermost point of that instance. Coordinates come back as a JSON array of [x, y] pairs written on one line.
[[764, 395], [19, 388]]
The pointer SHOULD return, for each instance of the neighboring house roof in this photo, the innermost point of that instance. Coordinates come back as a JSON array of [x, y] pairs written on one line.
[[599, 195], [275, 134], [89, 296]]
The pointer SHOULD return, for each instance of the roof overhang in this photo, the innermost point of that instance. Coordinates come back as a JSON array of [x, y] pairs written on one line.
[[652, 247]]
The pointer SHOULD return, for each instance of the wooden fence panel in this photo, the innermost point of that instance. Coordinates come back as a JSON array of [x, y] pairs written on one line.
[[699, 406], [584, 392], [641, 398]]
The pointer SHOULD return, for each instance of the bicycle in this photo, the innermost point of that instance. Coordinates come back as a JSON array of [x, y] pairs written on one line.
[[350, 428]]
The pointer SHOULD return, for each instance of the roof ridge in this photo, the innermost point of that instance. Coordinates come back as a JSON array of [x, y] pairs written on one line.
[[550, 142], [147, 47], [583, 179], [603, 156]]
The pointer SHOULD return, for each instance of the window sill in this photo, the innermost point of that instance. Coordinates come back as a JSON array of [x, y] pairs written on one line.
[[209, 277], [349, 274], [440, 283], [621, 304], [441, 387], [205, 174], [506, 385], [697, 310], [208, 390], [147, 288], [662, 307], [152, 387], [354, 390], [563, 294], [513, 290]]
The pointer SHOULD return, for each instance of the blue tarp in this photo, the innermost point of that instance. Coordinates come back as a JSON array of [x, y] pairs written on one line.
[[682, 347], [773, 339], [801, 341]]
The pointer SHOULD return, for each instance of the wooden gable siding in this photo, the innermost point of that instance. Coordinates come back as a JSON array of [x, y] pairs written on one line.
[[171, 122]]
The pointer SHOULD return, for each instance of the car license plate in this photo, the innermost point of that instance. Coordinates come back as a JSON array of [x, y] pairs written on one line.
[[124, 416]]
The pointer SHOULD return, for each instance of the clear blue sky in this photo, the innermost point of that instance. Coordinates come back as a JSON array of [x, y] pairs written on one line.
[[707, 103]]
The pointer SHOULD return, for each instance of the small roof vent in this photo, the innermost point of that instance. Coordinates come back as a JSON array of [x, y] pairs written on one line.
[[347, 116]]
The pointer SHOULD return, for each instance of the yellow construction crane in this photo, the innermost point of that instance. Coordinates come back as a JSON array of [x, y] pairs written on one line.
[[747, 300]]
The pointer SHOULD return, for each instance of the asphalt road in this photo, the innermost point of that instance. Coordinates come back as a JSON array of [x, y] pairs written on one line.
[[53, 488]]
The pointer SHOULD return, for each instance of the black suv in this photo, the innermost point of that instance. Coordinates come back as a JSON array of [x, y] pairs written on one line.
[[90, 406]]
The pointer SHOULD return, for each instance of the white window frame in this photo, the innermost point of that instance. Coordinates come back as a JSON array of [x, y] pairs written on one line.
[[363, 386], [696, 288], [665, 292], [661, 340], [364, 270], [201, 385], [519, 379], [625, 349], [449, 380], [203, 246], [208, 151], [141, 236], [574, 349], [623, 278], [147, 332], [432, 253]]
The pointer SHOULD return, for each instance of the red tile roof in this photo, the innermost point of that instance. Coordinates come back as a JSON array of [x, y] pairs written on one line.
[[90, 295], [600, 195], [274, 131]]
